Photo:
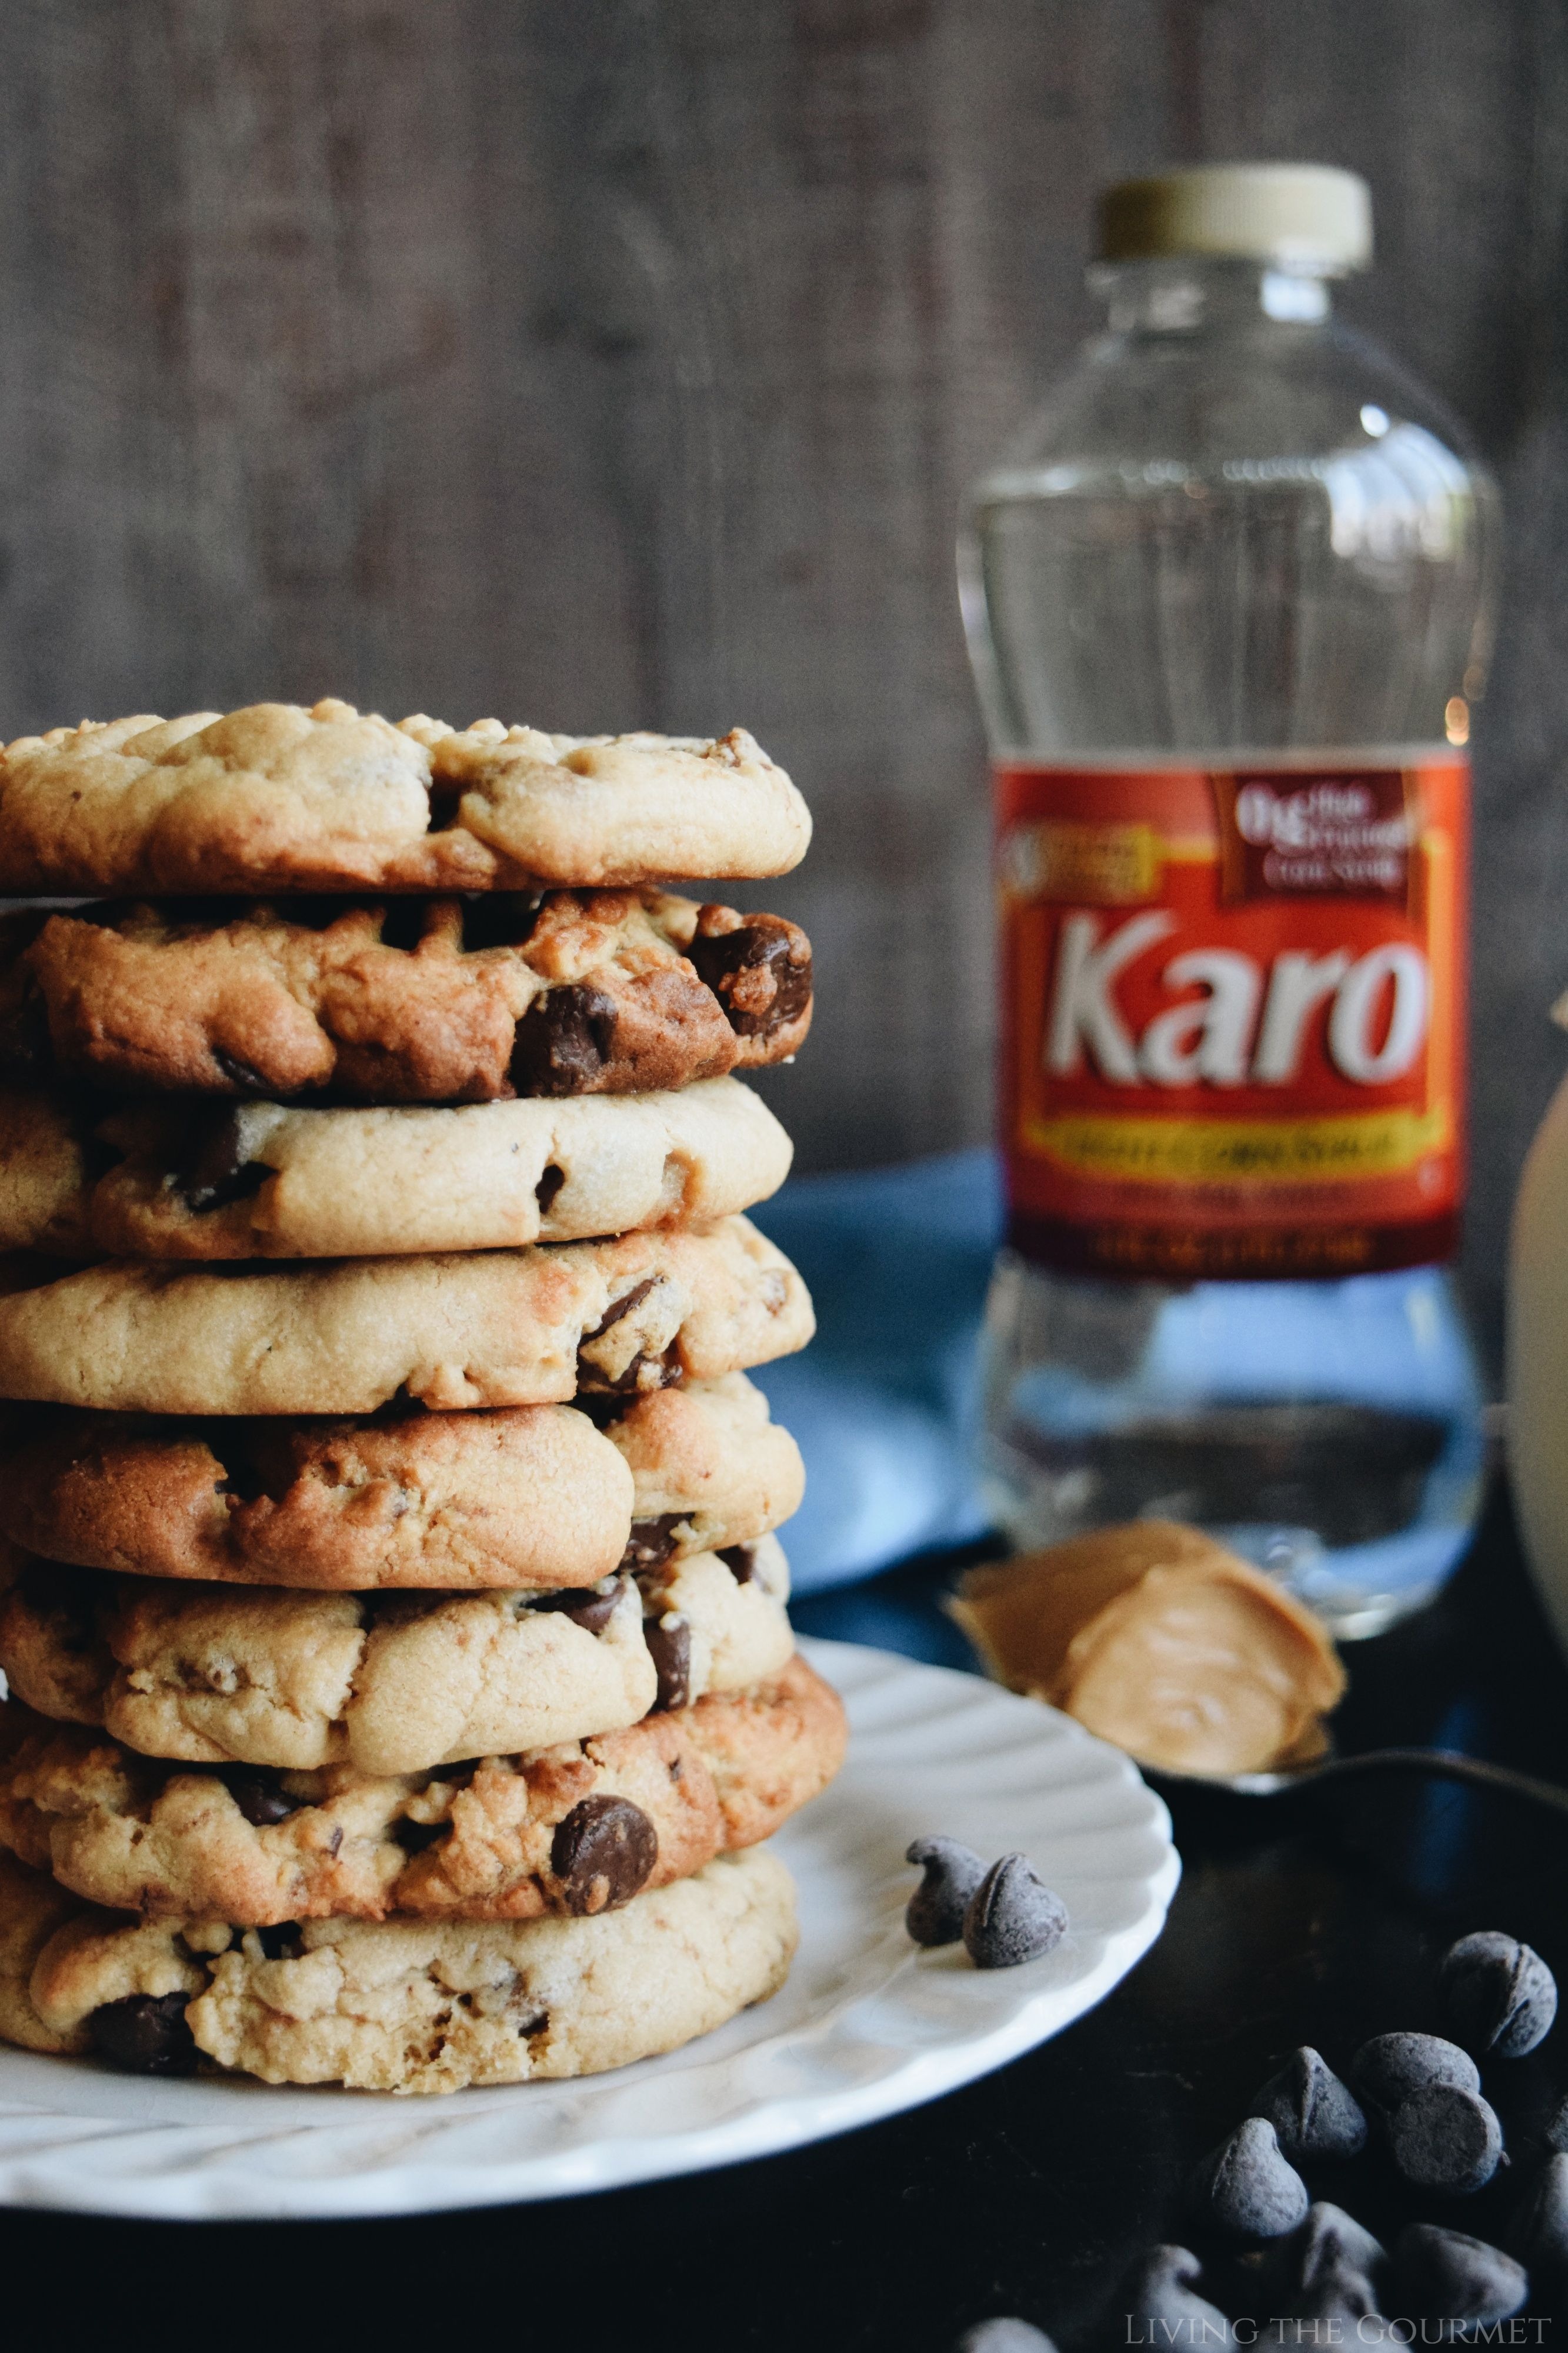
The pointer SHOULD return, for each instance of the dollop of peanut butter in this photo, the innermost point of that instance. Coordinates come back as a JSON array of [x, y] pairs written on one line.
[[1160, 1640]]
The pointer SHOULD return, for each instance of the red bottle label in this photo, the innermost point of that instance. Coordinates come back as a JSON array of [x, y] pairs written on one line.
[[1232, 1034]]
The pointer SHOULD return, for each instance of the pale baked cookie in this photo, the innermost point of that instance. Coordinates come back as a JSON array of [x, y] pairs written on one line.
[[481, 1329], [577, 1828], [441, 1000], [276, 797], [46, 1173], [531, 1496], [396, 2005], [262, 1181], [32, 1907], [212, 1675]]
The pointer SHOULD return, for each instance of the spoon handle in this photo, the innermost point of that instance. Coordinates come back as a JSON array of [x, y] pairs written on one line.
[[1451, 1766]]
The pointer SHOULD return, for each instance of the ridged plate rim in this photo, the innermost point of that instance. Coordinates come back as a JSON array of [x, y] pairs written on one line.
[[866, 2027]]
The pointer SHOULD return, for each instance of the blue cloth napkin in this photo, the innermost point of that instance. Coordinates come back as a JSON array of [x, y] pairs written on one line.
[[883, 1404]]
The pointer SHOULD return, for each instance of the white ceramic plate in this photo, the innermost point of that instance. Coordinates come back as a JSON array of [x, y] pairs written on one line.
[[865, 2026]]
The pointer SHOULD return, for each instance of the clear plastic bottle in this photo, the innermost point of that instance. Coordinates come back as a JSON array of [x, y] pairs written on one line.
[[1227, 603]]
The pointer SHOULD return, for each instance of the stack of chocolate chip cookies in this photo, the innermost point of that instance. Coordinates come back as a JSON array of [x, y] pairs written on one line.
[[400, 1679]]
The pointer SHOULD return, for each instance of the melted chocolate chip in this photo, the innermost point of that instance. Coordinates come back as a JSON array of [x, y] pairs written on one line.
[[669, 1648], [499, 919], [651, 1542], [211, 1169], [403, 923], [592, 1612], [239, 1074], [603, 1852], [415, 1837], [259, 1798], [753, 974], [146, 2033], [741, 1560], [622, 1306], [548, 1187], [643, 1374], [444, 803], [563, 1042]]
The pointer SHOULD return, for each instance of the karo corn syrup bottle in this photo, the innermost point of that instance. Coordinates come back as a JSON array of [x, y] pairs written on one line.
[[1227, 604]]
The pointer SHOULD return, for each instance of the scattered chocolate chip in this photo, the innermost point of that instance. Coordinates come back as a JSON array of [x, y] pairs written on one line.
[[563, 1042], [1330, 2239], [934, 1913], [1448, 2276], [1386, 2070], [259, 1798], [1310, 2110], [651, 1542], [668, 1643], [146, 2033], [1161, 2293], [1338, 2292], [1005, 2335], [239, 1074], [1012, 1916], [1539, 2234], [592, 1610], [1496, 1995], [1446, 2138], [761, 973], [548, 1187], [1246, 2188], [603, 1852], [741, 1560], [210, 1170]]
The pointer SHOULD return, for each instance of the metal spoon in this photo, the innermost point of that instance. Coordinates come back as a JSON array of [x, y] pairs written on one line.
[[1447, 1763]]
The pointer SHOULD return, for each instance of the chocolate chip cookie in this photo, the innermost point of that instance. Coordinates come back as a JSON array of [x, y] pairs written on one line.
[[276, 797], [262, 1181], [439, 1000], [452, 1331], [576, 1828], [530, 1497], [396, 2005], [534, 1496], [212, 1675]]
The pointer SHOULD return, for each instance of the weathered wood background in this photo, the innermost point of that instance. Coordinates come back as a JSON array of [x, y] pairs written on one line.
[[618, 363]]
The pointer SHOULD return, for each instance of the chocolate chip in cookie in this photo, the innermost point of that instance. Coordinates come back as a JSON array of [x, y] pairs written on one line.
[[759, 971], [603, 1852], [669, 1640], [563, 1042], [146, 2034], [260, 1799]]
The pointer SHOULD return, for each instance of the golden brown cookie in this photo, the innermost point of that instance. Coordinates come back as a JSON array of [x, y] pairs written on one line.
[[211, 1675], [418, 1001], [577, 1828], [276, 797], [531, 1496], [263, 1181], [451, 1331], [396, 2005]]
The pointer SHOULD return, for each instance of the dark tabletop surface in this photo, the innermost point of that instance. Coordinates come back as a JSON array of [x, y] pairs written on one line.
[[1312, 1919]]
